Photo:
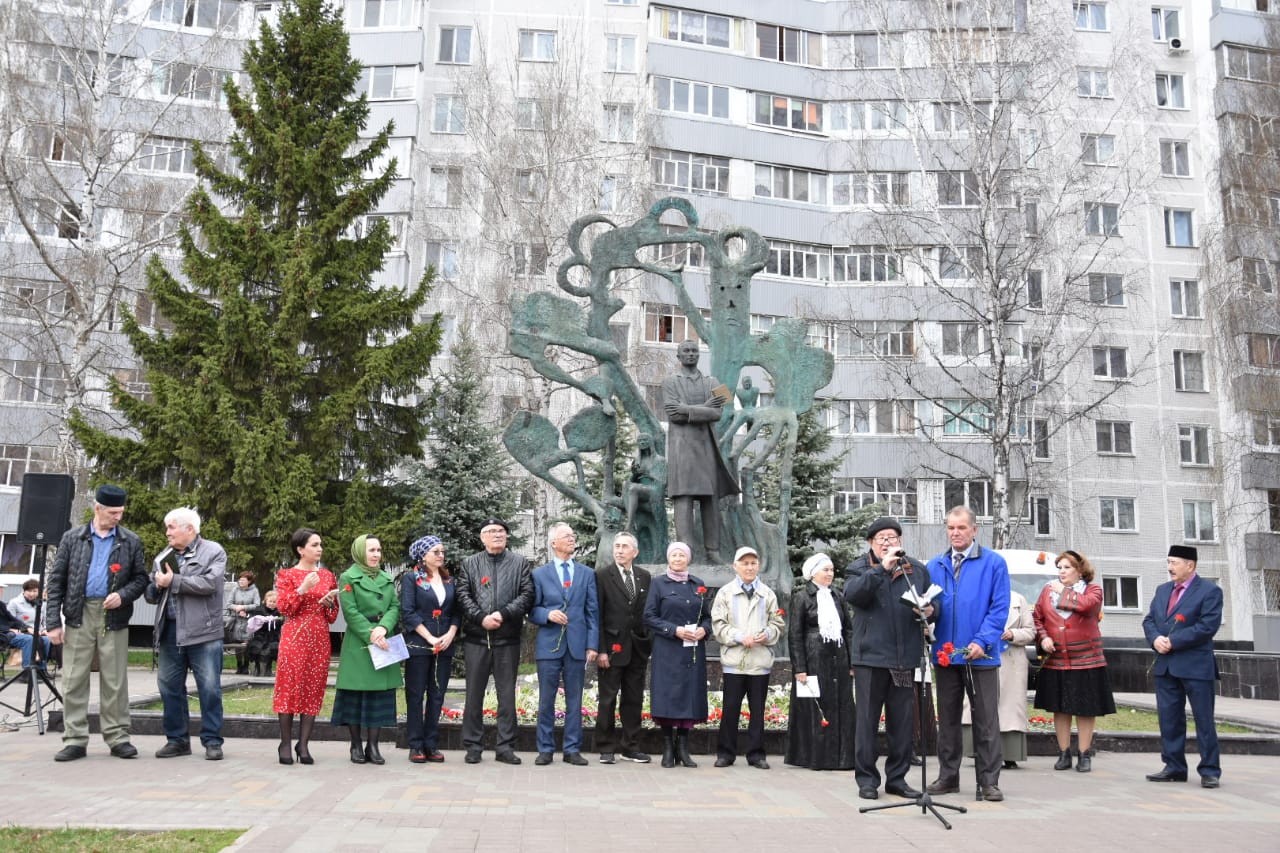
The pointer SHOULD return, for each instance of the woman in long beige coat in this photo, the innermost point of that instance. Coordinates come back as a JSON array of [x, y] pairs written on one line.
[[1019, 632]]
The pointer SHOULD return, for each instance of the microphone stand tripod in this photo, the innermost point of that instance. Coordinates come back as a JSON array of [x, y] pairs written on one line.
[[925, 800], [34, 673]]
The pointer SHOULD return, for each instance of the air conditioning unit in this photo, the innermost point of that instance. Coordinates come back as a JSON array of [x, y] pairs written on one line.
[[1176, 46]]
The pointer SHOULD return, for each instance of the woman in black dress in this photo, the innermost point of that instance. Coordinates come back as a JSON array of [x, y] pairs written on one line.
[[820, 731]]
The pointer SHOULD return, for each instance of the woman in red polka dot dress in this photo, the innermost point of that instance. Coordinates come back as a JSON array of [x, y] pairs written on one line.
[[308, 600]]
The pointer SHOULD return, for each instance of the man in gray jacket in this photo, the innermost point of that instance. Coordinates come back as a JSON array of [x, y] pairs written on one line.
[[98, 572], [187, 584]]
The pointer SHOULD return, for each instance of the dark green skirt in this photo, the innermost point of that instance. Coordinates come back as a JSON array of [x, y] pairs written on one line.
[[364, 708]]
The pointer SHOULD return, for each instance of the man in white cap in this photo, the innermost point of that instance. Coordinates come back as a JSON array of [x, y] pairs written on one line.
[[747, 622]]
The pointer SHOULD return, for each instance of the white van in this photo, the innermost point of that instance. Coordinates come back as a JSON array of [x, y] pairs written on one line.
[[1029, 571]]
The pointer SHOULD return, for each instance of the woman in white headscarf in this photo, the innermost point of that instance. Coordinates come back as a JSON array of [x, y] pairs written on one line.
[[820, 731]]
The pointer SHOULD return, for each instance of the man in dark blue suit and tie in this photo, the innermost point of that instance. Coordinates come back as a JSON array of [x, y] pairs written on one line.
[[1185, 614], [567, 609]]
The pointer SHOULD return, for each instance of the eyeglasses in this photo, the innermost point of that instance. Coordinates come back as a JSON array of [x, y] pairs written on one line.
[[886, 538]]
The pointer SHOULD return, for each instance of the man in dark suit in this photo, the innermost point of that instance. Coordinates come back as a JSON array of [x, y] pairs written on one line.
[[566, 608], [624, 644], [1185, 615]]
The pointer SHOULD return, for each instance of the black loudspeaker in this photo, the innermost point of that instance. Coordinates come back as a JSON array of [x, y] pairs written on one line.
[[44, 513]]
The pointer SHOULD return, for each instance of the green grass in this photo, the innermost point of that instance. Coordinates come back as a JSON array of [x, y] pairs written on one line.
[[95, 840], [256, 701], [143, 658]]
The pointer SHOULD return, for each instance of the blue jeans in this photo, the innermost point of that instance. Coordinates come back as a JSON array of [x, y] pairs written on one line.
[[425, 676], [205, 661], [23, 641], [550, 671]]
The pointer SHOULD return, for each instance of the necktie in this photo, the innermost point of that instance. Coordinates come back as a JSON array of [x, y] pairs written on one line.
[[1175, 597], [957, 560], [749, 589], [564, 573], [629, 581]]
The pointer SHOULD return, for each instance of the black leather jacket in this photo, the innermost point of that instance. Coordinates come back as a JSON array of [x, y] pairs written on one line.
[[66, 580], [488, 582]]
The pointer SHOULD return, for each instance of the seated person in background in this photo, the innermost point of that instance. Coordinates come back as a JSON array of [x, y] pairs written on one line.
[[263, 645], [23, 629]]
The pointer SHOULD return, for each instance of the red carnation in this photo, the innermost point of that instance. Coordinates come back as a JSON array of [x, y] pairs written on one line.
[[781, 612], [568, 584], [115, 567], [26, 618], [435, 614], [346, 587], [948, 648], [484, 581], [1179, 618], [702, 590], [617, 647], [825, 723], [943, 658]]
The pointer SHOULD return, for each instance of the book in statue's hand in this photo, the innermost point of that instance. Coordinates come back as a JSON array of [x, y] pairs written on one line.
[[722, 391]]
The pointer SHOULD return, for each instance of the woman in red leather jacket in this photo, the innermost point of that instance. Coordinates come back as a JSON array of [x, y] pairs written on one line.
[[1073, 678]]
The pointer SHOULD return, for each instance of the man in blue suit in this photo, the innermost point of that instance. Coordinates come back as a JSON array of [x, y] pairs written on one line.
[[567, 609], [1185, 614]]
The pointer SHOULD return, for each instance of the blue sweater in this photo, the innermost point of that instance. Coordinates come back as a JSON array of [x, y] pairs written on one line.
[[974, 607]]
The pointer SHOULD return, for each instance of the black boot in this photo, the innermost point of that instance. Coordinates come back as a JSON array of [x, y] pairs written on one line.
[[682, 748], [668, 747], [371, 746], [1085, 762], [1064, 760], [357, 748]]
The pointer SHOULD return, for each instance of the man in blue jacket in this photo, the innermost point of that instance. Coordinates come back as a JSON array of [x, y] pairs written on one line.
[[973, 607]]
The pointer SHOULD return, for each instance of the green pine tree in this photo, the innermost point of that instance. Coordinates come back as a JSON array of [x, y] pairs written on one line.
[[285, 393], [468, 477]]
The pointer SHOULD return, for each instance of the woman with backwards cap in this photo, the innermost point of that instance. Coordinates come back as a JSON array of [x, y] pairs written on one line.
[[430, 626], [678, 612], [820, 731]]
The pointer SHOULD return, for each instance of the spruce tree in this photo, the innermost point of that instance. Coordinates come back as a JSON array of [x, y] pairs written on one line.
[[468, 477], [285, 393]]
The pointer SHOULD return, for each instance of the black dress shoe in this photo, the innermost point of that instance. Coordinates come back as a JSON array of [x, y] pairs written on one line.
[[721, 761], [507, 757], [992, 794], [576, 759], [1167, 775], [902, 791], [473, 756], [172, 749], [124, 750], [607, 758], [70, 752], [435, 756], [916, 761], [867, 792], [636, 756], [213, 753], [1209, 782], [357, 755], [543, 759], [942, 786], [759, 763]]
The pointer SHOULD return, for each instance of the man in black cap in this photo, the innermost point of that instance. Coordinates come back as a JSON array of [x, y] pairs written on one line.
[[494, 593], [886, 649], [98, 572], [1185, 615]]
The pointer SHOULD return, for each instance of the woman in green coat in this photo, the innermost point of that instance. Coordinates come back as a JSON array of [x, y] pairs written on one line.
[[366, 697]]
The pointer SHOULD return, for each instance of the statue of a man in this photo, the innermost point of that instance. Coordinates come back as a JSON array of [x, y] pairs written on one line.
[[695, 469]]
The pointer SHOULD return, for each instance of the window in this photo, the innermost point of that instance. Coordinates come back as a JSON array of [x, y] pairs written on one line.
[[896, 495], [188, 81], [455, 46], [32, 300], [1188, 370], [1110, 363], [1273, 509], [618, 123], [52, 143], [782, 182], [696, 27], [1193, 444], [449, 115], [162, 154], [859, 50], [1266, 429], [1097, 148], [537, 46], [1171, 92], [1101, 220], [530, 185], [620, 54], [1175, 158], [872, 417], [798, 260], [1035, 289], [1264, 350], [1257, 274], [1197, 521], [1184, 298], [1164, 24], [965, 339], [681, 170], [532, 114], [788, 113], [1120, 593], [667, 324], [363, 226], [965, 417], [1117, 515], [444, 258], [820, 336], [959, 264], [882, 338], [1179, 228], [862, 116], [384, 13], [975, 494], [870, 188], [31, 381], [784, 44], [1040, 438], [866, 264], [1031, 217], [530, 259], [387, 82], [444, 186], [59, 219], [954, 117], [608, 202], [1041, 517], [1247, 64], [1114, 437], [19, 459], [686, 96], [207, 14], [1093, 83], [1091, 16], [621, 2], [1106, 289], [957, 189]]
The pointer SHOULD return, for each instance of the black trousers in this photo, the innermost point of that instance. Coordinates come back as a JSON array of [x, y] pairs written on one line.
[[501, 662], [985, 713], [629, 680], [873, 689], [755, 688]]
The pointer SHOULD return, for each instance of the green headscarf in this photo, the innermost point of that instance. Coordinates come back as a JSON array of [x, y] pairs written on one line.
[[359, 553]]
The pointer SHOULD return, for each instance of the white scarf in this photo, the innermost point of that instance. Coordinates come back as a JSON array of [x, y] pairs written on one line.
[[828, 616], [1078, 586]]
